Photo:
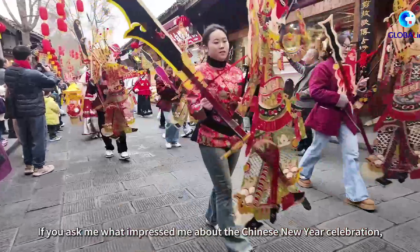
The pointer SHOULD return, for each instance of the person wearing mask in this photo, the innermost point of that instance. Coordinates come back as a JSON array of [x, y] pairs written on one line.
[[167, 106], [213, 135], [333, 115], [301, 90], [25, 86]]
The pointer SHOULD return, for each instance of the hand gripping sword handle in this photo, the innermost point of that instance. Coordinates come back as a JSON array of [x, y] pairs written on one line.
[[236, 147]]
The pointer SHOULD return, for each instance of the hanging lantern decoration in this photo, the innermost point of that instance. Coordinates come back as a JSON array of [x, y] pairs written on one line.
[[79, 5], [46, 45], [61, 24], [43, 13], [2, 28], [45, 29], [54, 58], [52, 51], [60, 9]]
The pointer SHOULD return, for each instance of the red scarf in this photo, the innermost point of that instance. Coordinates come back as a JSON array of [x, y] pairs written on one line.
[[23, 64]]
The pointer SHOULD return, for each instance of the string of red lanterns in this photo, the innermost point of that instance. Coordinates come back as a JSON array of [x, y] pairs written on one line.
[[61, 22]]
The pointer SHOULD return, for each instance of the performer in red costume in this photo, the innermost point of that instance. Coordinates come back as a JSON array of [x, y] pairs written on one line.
[[142, 89]]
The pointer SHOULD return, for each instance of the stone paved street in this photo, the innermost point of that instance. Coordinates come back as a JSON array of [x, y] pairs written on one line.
[[163, 189]]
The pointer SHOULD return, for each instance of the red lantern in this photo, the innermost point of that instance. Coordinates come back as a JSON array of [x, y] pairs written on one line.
[[46, 45], [43, 13], [60, 9], [45, 29], [52, 51], [79, 5], [61, 24], [54, 58], [183, 21]]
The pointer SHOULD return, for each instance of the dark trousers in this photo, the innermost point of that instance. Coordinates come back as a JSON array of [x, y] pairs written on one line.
[[305, 143], [52, 130], [162, 119], [121, 141], [33, 137], [12, 133], [2, 129], [143, 105]]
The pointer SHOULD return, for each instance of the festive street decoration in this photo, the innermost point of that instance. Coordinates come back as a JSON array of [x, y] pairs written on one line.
[[45, 29], [60, 9], [62, 25], [46, 45], [79, 5], [2, 28]]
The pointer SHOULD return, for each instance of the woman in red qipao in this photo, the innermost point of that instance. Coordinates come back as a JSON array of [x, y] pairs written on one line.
[[214, 136], [142, 89]]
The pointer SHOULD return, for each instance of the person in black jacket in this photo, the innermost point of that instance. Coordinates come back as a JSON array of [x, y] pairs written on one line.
[[26, 87]]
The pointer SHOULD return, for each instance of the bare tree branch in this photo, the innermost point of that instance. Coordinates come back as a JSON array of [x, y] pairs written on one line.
[[34, 21], [31, 11], [11, 14]]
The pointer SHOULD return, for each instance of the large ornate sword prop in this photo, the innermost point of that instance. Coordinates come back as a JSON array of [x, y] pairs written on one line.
[[337, 54], [144, 27]]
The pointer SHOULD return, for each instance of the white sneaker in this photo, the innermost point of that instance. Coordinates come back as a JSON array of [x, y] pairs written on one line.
[[177, 145], [163, 135], [124, 156], [211, 225], [168, 145], [109, 154]]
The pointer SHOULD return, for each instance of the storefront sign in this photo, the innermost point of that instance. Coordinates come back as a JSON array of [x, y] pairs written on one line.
[[193, 37], [367, 19], [367, 13]]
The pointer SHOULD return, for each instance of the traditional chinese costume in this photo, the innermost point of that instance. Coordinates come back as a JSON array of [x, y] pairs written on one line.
[[397, 146]]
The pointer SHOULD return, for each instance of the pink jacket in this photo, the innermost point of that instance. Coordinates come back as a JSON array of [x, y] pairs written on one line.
[[327, 115]]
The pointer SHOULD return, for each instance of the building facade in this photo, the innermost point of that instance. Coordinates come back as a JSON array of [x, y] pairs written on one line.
[[13, 37]]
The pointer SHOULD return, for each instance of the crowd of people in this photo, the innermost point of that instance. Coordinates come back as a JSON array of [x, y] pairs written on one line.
[[31, 103], [31, 99]]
